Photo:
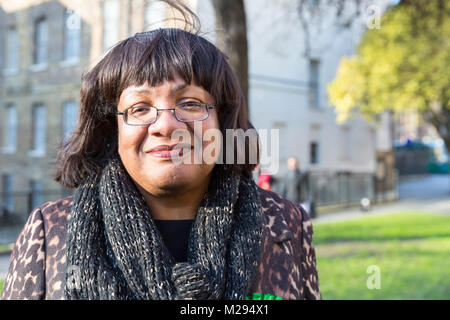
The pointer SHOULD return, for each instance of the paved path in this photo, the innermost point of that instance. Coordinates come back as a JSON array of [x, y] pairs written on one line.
[[419, 193]]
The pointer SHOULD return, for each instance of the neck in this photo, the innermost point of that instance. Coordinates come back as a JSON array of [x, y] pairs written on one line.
[[179, 206]]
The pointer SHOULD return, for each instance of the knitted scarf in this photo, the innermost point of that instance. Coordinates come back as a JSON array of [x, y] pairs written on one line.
[[115, 251]]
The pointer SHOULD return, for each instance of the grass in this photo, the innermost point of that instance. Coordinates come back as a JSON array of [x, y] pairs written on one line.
[[411, 250], [6, 247], [1, 286]]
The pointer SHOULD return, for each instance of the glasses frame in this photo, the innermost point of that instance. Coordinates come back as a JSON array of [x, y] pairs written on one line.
[[172, 110]]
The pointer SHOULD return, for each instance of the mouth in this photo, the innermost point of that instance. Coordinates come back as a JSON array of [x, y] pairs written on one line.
[[173, 152]]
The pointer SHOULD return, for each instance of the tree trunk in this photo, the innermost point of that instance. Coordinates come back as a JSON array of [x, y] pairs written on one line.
[[232, 37], [441, 122], [447, 143]]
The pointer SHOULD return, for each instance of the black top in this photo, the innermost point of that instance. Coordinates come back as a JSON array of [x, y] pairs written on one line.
[[175, 234]]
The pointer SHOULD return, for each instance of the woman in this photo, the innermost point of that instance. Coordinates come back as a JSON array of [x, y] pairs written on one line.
[[143, 226]]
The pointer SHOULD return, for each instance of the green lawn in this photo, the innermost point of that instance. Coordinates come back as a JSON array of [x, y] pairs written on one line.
[[6, 247], [1, 286], [412, 251]]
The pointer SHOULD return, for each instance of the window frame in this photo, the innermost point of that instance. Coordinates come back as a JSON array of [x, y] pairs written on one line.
[[69, 121], [72, 36], [9, 143], [11, 50], [38, 130], [314, 83], [40, 42]]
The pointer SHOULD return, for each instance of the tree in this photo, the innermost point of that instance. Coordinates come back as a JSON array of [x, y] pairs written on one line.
[[404, 65], [311, 12], [232, 37], [232, 30]]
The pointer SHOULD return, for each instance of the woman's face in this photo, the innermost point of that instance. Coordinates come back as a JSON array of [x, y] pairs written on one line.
[[155, 171]]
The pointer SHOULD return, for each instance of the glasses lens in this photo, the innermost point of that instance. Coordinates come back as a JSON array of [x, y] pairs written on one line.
[[141, 115], [191, 111]]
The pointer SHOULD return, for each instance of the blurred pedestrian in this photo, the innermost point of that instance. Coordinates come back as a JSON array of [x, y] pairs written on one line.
[[293, 184], [295, 187]]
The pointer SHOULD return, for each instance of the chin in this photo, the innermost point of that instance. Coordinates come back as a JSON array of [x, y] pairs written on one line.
[[172, 180]]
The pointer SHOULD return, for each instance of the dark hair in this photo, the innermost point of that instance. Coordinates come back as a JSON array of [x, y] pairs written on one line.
[[152, 57]]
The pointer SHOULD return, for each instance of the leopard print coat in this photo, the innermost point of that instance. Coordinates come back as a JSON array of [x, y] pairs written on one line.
[[287, 266]]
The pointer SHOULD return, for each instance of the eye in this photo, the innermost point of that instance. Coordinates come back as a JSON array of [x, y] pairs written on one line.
[[190, 105], [139, 109]]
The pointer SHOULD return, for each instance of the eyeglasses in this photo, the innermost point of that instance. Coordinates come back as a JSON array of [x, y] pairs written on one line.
[[141, 115]]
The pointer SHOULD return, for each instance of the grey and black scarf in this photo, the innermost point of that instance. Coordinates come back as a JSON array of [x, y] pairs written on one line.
[[114, 250]]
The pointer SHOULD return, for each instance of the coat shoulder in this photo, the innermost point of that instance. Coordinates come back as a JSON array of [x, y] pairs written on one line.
[[56, 216], [38, 255], [283, 217], [59, 207], [25, 277]]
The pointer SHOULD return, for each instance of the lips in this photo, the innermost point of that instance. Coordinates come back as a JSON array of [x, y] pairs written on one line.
[[162, 147], [172, 151]]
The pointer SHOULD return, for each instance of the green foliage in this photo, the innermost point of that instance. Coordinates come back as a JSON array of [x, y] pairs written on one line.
[[404, 65], [411, 250]]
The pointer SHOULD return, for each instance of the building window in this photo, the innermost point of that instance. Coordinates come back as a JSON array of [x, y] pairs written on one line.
[[154, 15], [39, 130], [10, 133], [314, 94], [7, 194], [12, 49], [314, 153], [70, 113], [40, 41], [72, 35], [36, 195], [111, 17]]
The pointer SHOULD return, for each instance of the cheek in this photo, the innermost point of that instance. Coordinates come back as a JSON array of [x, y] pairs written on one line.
[[211, 139], [198, 129], [212, 122], [130, 138]]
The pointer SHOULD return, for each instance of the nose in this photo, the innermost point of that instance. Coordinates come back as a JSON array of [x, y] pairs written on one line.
[[165, 123]]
